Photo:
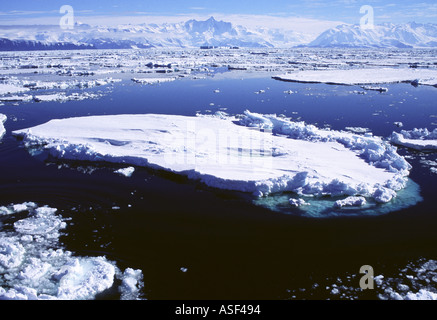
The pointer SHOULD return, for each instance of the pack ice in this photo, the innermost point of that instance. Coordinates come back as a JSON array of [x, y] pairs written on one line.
[[418, 139], [259, 154], [34, 266]]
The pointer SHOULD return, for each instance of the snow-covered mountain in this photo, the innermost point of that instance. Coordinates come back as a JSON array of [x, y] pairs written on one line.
[[409, 35], [188, 34], [211, 33]]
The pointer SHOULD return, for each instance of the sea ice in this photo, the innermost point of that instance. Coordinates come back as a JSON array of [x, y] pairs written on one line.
[[127, 172], [362, 76], [351, 202], [25, 98], [152, 80], [373, 88], [62, 97], [418, 139], [3, 119], [234, 154], [298, 202], [421, 278], [33, 266], [11, 89]]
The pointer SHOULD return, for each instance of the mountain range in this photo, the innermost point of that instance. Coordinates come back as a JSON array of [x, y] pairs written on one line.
[[211, 33], [388, 35]]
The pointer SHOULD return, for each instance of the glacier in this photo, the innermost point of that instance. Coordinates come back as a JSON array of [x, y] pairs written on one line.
[[251, 153], [34, 266]]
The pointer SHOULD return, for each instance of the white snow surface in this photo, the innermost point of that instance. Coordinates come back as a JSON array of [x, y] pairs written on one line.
[[33, 266], [234, 154], [298, 202], [418, 139], [365, 76], [10, 89], [351, 202], [3, 119]]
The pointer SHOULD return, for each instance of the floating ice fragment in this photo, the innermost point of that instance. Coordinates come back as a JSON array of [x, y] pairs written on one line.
[[365, 76], [33, 268], [351, 202], [127, 172], [418, 139], [81, 279], [298, 202], [254, 153], [152, 80], [132, 283], [371, 88]]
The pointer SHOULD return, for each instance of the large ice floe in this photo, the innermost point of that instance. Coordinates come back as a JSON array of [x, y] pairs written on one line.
[[414, 281], [34, 266], [252, 153], [418, 139], [364, 76], [2, 128]]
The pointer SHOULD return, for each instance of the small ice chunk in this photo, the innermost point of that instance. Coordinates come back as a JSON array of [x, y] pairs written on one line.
[[357, 129], [152, 80], [11, 253], [127, 172], [132, 282], [298, 202]]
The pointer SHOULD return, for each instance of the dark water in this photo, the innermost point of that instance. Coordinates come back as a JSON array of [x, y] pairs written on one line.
[[231, 248]]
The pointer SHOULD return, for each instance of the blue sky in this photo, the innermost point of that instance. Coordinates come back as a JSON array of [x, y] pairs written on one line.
[[106, 12]]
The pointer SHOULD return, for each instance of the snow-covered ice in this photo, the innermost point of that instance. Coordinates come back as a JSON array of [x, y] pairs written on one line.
[[11, 89], [418, 139], [127, 172], [417, 281], [298, 202], [351, 202], [234, 154], [374, 88], [34, 266], [3, 119], [364, 76], [152, 80]]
